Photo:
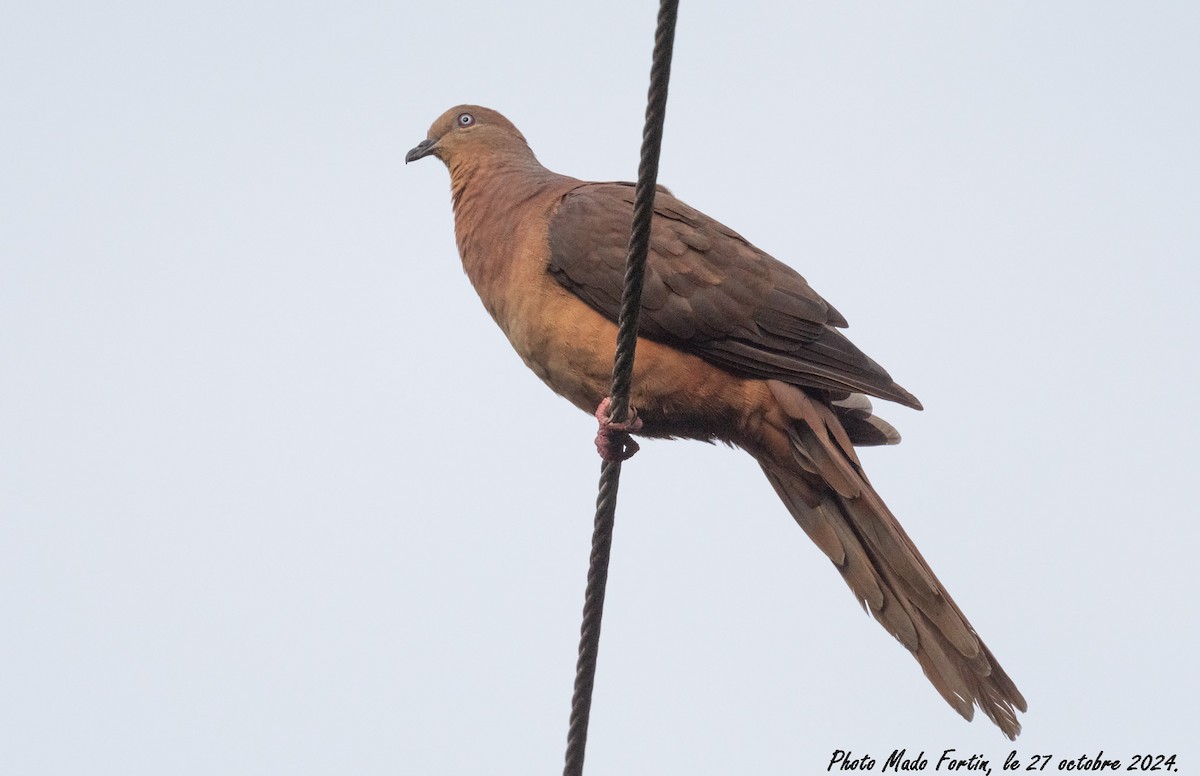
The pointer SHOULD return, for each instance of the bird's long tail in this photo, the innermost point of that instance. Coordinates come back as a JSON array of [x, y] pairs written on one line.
[[830, 497]]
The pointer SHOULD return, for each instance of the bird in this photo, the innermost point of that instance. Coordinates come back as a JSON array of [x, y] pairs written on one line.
[[734, 346]]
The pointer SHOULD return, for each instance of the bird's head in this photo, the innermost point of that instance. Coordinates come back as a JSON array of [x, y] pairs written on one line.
[[470, 131]]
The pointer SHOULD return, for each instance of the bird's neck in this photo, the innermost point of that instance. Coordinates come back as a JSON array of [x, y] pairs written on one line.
[[492, 196], [498, 179]]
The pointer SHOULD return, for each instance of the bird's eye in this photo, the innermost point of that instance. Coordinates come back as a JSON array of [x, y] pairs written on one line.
[[465, 119]]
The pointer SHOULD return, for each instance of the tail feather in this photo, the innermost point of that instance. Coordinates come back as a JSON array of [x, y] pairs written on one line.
[[861, 425], [830, 497]]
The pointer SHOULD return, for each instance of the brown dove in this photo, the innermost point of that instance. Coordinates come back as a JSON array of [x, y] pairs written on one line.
[[733, 346]]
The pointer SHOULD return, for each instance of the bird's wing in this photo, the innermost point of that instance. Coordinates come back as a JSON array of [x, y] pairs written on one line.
[[710, 292]]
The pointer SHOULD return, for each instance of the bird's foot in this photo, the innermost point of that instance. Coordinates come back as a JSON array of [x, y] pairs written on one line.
[[613, 441]]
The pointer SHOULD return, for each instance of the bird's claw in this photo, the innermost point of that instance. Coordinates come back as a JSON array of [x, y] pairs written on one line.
[[613, 442]]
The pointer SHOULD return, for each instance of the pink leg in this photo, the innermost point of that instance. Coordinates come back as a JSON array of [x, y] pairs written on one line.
[[613, 441]]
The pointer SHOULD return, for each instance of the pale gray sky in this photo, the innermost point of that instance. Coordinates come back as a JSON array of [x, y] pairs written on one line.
[[276, 497]]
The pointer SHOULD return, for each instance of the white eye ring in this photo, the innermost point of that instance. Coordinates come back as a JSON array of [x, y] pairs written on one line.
[[465, 119]]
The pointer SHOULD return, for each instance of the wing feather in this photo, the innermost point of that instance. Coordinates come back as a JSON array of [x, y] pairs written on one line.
[[710, 292]]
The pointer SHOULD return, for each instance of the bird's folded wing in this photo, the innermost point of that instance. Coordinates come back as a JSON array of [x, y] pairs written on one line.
[[710, 292]]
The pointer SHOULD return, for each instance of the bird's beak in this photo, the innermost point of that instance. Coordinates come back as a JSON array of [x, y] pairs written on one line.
[[423, 149]]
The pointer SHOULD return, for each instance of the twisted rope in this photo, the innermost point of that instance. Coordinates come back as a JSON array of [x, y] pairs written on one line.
[[610, 471]]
